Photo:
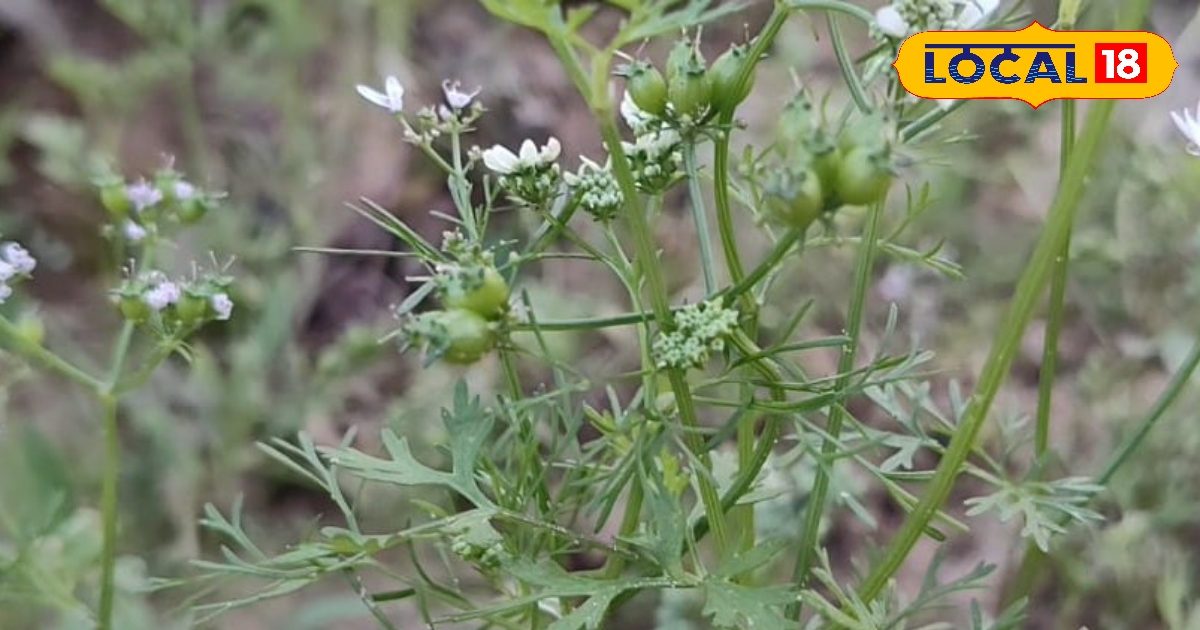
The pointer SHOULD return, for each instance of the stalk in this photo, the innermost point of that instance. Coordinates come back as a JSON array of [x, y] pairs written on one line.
[[700, 217], [108, 509], [1004, 349], [837, 416]]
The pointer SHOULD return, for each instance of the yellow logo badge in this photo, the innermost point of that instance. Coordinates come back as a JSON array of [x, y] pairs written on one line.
[[1035, 64]]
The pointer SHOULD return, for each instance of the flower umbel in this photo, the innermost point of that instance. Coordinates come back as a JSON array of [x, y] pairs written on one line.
[[1188, 123], [655, 158], [599, 193], [903, 18], [531, 177], [700, 329], [391, 99]]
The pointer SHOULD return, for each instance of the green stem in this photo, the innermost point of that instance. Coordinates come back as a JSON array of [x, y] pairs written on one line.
[[1004, 350], [700, 216], [108, 510], [1034, 559], [12, 339], [857, 90], [782, 247], [724, 208], [816, 504], [709, 496], [1058, 292]]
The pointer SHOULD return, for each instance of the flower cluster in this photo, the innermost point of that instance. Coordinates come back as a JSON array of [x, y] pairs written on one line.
[[152, 296], [597, 188], [699, 330], [138, 208], [655, 159], [458, 109], [485, 557], [903, 18], [531, 177], [16, 263]]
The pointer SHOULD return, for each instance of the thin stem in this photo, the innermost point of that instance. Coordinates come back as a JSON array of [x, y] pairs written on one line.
[[120, 354], [858, 301], [108, 509], [724, 209], [782, 247], [12, 339], [1031, 564], [700, 216], [709, 496], [857, 90], [1004, 350]]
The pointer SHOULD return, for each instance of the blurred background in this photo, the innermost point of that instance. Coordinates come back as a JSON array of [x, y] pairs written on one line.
[[256, 97]]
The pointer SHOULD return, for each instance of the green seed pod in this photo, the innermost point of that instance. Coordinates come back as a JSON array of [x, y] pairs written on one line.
[[689, 93], [114, 199], [799, 203], [134, 308], [647, 88], [688, 89], [863, 176], [192, 309], [192, 210], [479, 289], [726, 94], [468, 336]]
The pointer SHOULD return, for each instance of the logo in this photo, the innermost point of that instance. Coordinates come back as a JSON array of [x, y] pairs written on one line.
[[1035, 64]]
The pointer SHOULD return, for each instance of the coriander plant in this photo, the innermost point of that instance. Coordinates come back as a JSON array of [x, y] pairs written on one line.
[[161, 310], [702, 478]]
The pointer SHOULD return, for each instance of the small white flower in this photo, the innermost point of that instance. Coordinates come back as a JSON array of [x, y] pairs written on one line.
[[635, 117], [502, 161], [7, 272], [184, 191], [903, 18], [391, 99], [1188, 123], [222, 306], [5, 292], [890, 22], [18, 257], [142, 195], [162, 295], [456, 98], [133, 232]]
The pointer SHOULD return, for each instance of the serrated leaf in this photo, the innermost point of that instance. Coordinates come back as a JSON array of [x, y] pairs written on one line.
[[468, 426], [735, 606]]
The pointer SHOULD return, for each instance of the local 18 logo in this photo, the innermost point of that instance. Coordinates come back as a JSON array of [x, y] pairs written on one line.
[[1035, 64]]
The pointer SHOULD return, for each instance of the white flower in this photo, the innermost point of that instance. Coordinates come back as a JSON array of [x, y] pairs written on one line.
[[504, 162], [635, 117], [456, 98], [890, 22], [184, 191], [222, 306], [5, 292], [162, 295], [7, 272], [133, 232], [1189, 125], [142, 195], [391, 99], [655, 144], [902, 18], [18, 257]]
